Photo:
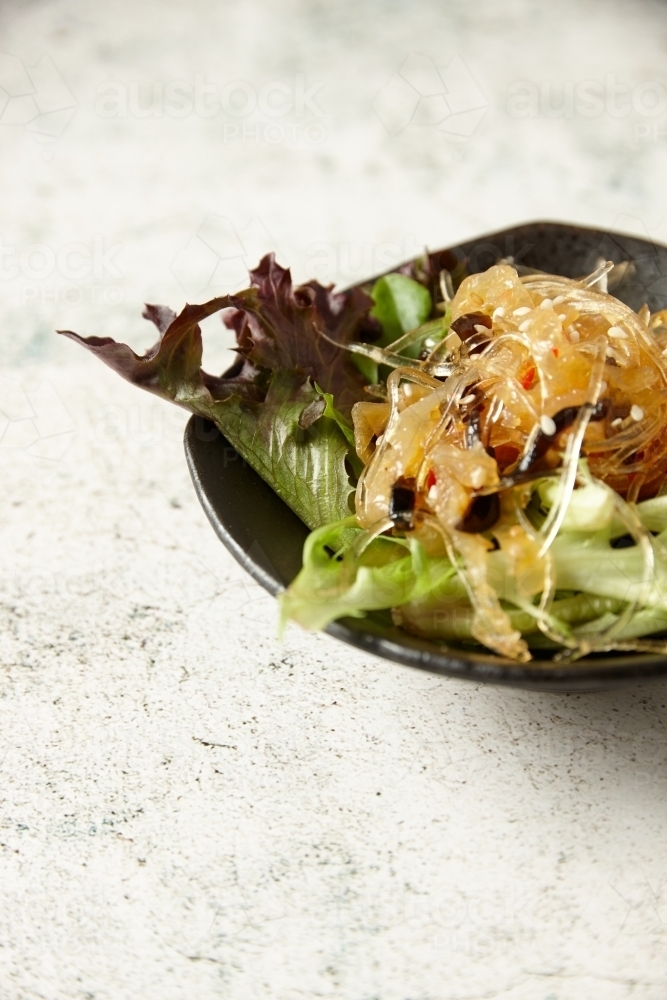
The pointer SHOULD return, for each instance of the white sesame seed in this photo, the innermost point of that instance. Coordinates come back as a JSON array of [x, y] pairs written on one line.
[[470, 398], [480, 328], [408, 389], [617, 422], [546, 304], [525, 325], [498, 313], [547, 425], [432, 493], [521, 311], [617, 333], [575, 336], [636, 413], [558, 300], [379, 440], [562, 316], [603, 386], [609, 352]]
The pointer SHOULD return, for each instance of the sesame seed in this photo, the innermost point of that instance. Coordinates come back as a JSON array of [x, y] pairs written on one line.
[[609, 352], [546, 304], [562, 316], [617, 333], [617, 422], [408, 389], [636, 413], [575, 336], [498, 313], [379, 440], [603, 386], [521, 311], [480, 328], [558, 300], [525, 325], [547, 425], [432, 493], [470, 398]]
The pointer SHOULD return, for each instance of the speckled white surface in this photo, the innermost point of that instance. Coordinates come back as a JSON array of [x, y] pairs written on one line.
[[189, 808]]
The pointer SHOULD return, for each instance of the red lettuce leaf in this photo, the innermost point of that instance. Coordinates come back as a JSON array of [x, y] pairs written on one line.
[[277, 328], [267, 404]]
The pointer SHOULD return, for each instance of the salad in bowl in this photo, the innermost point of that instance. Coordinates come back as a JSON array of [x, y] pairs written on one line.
[[483, 455]]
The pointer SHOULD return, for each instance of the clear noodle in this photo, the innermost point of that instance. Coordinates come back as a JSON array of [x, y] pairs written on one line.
[[565, 372]]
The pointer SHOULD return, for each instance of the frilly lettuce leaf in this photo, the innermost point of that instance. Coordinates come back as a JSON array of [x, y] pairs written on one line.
[[277, 327], [334, 582], [276, 405]]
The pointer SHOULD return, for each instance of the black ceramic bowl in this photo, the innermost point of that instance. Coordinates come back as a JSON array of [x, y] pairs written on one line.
[[267, 537]]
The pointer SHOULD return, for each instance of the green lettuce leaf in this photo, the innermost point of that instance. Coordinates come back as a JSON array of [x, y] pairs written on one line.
[[291, 442], [334, 582], [346, 429], [401, 305], [433, 619]]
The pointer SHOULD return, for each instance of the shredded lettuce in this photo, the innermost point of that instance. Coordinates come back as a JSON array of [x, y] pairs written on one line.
[[591, 508], [334, 583], [595, 579]]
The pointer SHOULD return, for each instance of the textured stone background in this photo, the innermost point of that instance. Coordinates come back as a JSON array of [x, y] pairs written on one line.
[[189, 808]]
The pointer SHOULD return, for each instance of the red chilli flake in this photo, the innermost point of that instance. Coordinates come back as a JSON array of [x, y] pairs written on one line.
[[528, 380], [554, 351], [431, 479]]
